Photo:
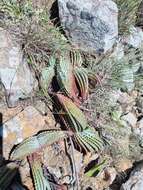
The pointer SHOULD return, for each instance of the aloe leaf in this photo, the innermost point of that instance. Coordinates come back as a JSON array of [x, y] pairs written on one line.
[[40, 182], [96, 169], [65, 77], [25, 148], [73, 116], [7, 173], [127, 78], [81, 76], [92, 78], [50, 137], [76, 58], [89, 140], [47, 74], [34, 143]]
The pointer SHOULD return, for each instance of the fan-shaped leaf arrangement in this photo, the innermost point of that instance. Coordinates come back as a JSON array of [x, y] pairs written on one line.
[[73, 81]]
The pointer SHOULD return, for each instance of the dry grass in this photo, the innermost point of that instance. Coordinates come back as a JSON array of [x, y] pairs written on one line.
[[127, 14]]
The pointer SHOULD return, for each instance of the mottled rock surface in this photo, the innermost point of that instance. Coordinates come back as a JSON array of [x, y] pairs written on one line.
[[90, 24], [135, 38], [24, 124], [135, 181], [15, 74]]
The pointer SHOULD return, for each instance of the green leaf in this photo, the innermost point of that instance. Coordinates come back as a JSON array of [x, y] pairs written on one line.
[[65, 77], [74, 117], [81, 76], [76, 58], [47, 74], [25, 148], [50, 137], [96, 169], [89, 140], [40, 182], [34, 143]]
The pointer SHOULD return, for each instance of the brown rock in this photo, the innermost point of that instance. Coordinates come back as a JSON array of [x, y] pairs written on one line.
[[26, 123], [123, 164]]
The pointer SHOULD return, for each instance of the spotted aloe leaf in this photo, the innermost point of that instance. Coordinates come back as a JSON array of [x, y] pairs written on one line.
[[7, 173], [50, 137], [47, 74], [89, 140], [81, 76], [65, 77], [76, 58], [40, 182], [92, 78], [74, 117], [35, 143], [25, 148]]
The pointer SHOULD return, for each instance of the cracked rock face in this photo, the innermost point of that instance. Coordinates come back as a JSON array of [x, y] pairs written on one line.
[[15, 75], [135, 181], [90, 24]]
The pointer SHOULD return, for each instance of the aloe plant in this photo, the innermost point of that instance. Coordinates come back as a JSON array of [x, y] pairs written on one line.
[[40, 182], [70, 76], [66, 69]]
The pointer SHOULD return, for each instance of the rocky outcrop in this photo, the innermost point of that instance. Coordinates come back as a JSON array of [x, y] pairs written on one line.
[[90, 25], [15, 75], [135, 181]]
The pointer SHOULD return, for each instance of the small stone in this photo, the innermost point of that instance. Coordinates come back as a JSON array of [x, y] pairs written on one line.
[[139, 103], [139, 129], [125, 98], [118, 51], [140, 124], [41, 107], [110, 174], [113, 97], [123, 164], [130, 118], [135, 38]]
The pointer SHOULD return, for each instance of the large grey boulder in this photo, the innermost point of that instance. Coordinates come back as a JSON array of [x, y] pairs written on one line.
[[15, 75], [135, 181], [90, 24]]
